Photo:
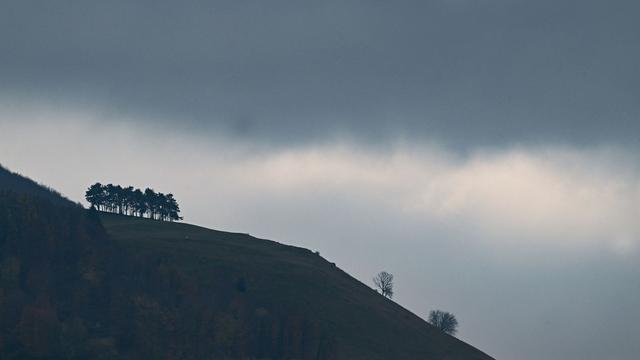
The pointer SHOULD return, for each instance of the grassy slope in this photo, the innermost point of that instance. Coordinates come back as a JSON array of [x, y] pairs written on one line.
[[366, 325]]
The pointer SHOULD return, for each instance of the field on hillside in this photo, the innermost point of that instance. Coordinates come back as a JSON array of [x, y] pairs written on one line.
[[277, 278]]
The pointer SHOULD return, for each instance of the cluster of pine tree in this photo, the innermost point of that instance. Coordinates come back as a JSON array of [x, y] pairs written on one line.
[[133, 202]]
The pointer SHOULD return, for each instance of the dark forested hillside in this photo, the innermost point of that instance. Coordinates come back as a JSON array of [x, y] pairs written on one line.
[[22, 185], [75, 284], [55, 278]]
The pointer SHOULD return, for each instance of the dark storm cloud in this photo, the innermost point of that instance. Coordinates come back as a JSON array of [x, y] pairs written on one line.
[[539, 240], [457, 71]]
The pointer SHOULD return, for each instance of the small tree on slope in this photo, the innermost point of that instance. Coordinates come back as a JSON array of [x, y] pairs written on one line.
[[384, 282], [443, 321]]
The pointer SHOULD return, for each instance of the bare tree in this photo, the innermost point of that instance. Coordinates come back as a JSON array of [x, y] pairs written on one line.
[[384, 283], [443, 321]]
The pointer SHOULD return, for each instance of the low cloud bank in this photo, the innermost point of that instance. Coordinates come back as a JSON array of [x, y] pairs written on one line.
[[501, 237]]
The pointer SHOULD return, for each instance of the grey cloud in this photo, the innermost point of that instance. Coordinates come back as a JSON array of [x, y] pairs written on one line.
[[121, 75], [522, 292], [460, 72]]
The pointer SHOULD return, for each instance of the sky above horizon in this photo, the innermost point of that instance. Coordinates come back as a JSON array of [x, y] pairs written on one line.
[[484, 152]]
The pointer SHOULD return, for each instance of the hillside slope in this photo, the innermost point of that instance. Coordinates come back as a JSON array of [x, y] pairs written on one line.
[[275, 278], [19, 184], [76, 284]]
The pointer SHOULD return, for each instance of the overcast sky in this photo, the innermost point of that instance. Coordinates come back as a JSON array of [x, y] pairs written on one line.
[[485, 152]]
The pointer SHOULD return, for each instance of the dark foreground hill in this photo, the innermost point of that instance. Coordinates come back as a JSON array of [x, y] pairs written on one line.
[[75, 284]]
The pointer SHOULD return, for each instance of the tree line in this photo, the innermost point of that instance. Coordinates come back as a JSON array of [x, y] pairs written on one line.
[[133, 202]]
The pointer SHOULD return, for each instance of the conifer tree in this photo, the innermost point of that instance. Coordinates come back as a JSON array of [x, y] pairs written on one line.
[[133, 202]]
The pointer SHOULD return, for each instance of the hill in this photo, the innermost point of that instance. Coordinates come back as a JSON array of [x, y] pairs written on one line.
[[362, 324], [75, 284], [19, 184]]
